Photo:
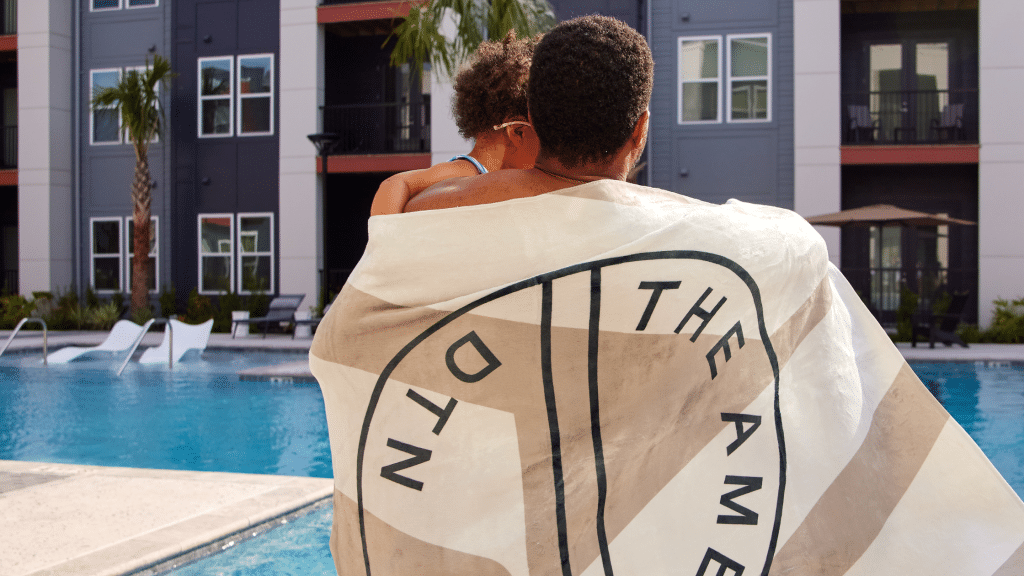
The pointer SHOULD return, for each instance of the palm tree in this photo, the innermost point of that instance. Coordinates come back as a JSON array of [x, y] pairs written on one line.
[[136, 99], [419, 36]]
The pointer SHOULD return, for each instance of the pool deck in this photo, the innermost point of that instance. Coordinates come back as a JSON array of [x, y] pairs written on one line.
[[93, 520]]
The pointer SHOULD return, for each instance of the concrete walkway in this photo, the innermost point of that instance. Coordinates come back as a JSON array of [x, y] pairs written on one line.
[[98, 521], [91, 520]]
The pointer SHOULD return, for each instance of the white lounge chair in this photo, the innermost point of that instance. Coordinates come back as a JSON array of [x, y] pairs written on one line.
[[122, 336], [185, 337]]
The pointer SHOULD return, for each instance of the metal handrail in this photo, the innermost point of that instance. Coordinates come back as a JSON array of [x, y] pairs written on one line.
[[15, 333], [135, 345]]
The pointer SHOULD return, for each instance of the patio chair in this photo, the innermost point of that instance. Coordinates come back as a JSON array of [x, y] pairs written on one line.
[[861, 123], [949, 123], [122, 337], [941, 327], [282, 309], [184, 337]]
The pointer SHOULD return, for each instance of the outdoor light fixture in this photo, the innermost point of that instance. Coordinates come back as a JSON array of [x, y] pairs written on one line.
[[325, 143]]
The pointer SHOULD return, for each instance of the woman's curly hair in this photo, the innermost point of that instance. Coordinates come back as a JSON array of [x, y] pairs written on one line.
[[590, 82], [492, 86]]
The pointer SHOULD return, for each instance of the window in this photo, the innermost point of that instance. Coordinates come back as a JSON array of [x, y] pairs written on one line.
[[105, 123], [98, 5], [256, 252], [251, 261], [152, 278], [745, 81], [216, 238], [106, 254], [700, 64], [239, 95], [215, 96], [255, 94], [749, 77]]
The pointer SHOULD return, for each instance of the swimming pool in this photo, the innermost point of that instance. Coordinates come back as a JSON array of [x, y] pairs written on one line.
[[202, 417], [199, 416]]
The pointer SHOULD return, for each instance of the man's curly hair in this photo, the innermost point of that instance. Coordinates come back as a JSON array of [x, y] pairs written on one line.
[[590, 81], [492, 86]]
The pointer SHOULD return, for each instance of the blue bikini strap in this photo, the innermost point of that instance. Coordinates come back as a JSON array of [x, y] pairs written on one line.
[[480, 167]]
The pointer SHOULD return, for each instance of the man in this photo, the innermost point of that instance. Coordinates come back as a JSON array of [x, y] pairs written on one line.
[[553, 372]]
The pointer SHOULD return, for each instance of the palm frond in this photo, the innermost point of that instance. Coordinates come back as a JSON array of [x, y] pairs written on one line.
[[419, 37]]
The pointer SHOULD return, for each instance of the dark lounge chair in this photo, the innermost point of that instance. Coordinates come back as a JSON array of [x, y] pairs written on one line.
[[282, 309], [941, 327]]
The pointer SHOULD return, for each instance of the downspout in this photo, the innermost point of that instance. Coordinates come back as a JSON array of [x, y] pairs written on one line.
[[76, 144]]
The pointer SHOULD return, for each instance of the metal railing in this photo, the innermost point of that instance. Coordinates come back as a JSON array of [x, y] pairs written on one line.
[[9, 150], [9, 17], [18, 328], [881, 288], [10, 282], [393, 127], [910, 117]]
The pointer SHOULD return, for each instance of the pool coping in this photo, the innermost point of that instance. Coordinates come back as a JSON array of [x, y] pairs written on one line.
[[136, 500]]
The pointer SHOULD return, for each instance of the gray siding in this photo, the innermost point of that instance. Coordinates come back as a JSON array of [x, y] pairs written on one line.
[[220, 175], [119, 39], [714, 162]]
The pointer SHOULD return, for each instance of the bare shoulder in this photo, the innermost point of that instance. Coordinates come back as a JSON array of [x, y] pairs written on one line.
[[483, 189]]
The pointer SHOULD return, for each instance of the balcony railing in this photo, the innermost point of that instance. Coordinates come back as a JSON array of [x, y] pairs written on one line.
[[9, 150], [911, 117], [395, 127], [880, 288], [9, 17]]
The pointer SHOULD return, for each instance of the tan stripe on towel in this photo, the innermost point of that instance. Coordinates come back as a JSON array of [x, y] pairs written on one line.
[[395, 553], [842, 525]]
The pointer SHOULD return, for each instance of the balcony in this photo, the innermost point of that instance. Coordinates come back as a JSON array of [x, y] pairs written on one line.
[[390, 128], [9, 17], [910, 117], [9, 148]]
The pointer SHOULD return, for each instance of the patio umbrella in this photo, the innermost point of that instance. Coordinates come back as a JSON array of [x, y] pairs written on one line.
[[883, 214]]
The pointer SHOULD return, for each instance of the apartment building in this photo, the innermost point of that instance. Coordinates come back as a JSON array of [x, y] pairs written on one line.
[[286, 115]]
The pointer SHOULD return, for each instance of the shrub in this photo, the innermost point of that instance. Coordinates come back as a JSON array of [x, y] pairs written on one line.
[[142, 315], [13, 308], [168, 301], [905, 314], [229, 302], [101, 316], [199, 308], [1007, 322]]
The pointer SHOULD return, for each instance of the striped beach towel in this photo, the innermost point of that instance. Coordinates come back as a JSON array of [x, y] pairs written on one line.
[[611, 379]]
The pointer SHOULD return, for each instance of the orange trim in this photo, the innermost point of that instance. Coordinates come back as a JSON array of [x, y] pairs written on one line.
[[9, 177], [375, 163], [333, 13], [8, 43], [941, 154]]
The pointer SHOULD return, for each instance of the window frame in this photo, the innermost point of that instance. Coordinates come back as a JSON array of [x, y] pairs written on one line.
[[679, 80], [93, 8], [92, 254], [92, 112], [239, 96], [238, 250], [154, 253], [128, 5], [729, 78], [231, 97], [230, 255]]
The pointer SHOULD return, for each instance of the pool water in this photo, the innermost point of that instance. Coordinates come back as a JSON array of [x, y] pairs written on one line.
[[987, 399], [199, 416]]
